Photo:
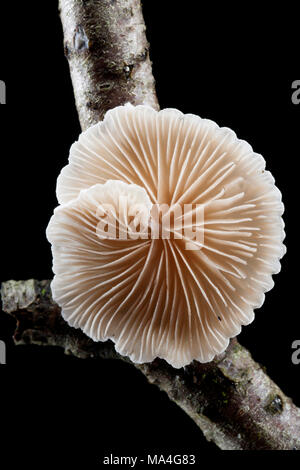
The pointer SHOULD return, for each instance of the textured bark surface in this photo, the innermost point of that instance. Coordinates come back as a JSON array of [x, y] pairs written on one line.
[[231, 399], [108, 54]]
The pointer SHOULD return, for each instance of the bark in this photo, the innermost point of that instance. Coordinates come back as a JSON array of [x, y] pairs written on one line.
[[108, 54], [231, 399]]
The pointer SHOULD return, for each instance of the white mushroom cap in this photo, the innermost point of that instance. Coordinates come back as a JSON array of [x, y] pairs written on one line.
[[154, 297]]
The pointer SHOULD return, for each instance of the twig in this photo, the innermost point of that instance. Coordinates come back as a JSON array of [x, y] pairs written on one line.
[[108, 54], [231, 399]]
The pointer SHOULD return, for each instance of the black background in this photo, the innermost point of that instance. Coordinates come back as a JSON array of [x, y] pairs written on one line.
[[233, 65]]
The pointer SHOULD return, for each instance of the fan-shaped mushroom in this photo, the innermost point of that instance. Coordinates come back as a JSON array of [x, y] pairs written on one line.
[[155, 297]]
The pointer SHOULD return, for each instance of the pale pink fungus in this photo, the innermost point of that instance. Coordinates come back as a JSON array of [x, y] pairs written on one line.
[[154, 297]]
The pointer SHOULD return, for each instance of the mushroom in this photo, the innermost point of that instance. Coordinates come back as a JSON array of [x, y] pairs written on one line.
[[160, 296]]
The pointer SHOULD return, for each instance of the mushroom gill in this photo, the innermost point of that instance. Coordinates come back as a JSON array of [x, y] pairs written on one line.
[[160, 297]]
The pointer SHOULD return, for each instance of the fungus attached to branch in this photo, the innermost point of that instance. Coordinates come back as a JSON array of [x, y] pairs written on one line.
[[169, 295]]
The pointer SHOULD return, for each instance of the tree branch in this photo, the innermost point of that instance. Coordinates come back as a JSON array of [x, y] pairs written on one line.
[[108, 54], [231, 399]]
